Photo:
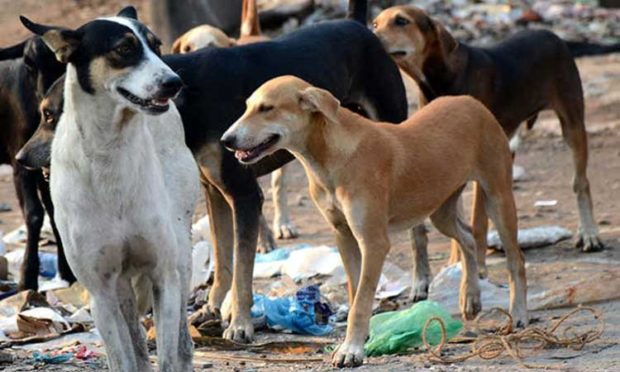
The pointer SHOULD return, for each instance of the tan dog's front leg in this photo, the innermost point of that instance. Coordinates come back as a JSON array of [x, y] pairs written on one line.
[[283, 227], [374, 249], [421, 269], [351, 258]]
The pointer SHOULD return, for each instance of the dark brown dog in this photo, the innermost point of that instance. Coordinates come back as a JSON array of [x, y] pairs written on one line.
[[516, 79]]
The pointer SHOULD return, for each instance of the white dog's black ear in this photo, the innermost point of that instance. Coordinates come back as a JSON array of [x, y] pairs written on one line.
[[314, 99], [128, 12], [62, 41]]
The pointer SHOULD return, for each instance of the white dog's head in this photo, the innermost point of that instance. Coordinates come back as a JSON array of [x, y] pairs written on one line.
[[117, 56]]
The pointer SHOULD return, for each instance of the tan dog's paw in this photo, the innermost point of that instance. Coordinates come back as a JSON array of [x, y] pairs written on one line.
[[266, 241], [470, 305], [240, 330], [285, 230], [589, 241], [347, 355], [419, 290], [205, 314]]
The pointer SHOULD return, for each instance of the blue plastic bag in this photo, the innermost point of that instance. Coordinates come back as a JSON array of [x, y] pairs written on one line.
[[296, 314]]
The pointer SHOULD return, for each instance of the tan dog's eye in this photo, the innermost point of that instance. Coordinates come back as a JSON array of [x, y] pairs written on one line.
[[400, 21], [265, 108], [187, 49]]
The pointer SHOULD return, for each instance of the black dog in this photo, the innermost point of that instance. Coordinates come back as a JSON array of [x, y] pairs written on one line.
[[343, 57], [27, 70]]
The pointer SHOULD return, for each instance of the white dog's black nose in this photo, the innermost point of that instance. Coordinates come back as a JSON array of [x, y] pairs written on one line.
[[170, 86], [228, 141]]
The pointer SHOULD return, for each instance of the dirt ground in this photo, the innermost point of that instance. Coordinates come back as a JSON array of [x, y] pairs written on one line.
[[548, 165]]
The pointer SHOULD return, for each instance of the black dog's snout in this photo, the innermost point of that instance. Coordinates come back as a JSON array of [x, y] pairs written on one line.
[[171, 86], [21, 158], [228, 141]]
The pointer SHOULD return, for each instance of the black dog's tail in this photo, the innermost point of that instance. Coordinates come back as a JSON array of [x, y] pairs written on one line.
[[13, 52], [358, 11], [580, 49]]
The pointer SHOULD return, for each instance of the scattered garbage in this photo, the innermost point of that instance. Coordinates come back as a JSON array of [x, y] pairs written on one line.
[[583, 281], [304, 313], [545, 203], [48, 263], [398, 331], [533, 237]]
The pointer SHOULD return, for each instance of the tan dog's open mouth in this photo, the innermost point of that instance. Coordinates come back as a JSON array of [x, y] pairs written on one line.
[[253, 153]]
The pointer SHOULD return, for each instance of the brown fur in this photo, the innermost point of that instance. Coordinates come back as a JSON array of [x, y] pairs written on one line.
[[442, 66], [367, 178]]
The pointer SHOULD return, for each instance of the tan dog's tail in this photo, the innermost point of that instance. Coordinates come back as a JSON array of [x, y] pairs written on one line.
[[249, 19]]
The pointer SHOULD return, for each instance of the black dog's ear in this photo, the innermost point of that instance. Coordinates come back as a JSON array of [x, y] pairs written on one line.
[[128, 12], [13, 52], [63, 42]]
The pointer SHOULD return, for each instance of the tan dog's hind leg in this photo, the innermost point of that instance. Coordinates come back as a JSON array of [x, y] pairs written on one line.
[[283, 227], [421, 269], [221, 223], [503, 213], [451, 223], [480, 226]]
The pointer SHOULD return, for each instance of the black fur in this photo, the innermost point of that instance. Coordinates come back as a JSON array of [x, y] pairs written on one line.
[[23, 82]]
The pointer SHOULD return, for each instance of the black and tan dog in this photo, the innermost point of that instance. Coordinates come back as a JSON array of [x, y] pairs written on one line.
[[367, 178], [27, 70], [516, 79]]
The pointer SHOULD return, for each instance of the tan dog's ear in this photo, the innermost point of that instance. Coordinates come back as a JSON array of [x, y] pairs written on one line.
[[176, 46], [446, 41], [319, 100], [63, 42]]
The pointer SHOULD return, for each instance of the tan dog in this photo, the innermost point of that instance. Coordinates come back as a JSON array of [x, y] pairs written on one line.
[[367, 178], [209, 36], [205, 35], [524, 74]]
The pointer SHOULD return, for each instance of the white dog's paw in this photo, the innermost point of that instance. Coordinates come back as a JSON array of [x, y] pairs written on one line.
[[285, 230], [348, 355], [240, 330], [589, 241]]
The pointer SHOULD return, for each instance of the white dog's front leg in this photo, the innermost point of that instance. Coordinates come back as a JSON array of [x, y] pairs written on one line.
[[283, 227]]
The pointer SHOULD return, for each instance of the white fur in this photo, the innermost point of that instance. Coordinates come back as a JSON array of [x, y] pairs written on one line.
[[124, 194]]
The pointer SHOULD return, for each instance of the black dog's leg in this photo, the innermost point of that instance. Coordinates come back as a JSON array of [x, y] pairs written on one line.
[[26, 188], [63, 266]]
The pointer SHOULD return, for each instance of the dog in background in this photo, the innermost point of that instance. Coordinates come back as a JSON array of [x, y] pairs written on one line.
[[27, 70], [517, 78], [208, 36], [367, 178], [125, 185]]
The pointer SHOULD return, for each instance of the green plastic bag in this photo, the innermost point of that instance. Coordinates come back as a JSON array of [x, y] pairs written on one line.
[[397, 331]]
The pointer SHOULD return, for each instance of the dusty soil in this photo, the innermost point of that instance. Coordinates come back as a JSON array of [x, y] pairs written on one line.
[[548, 165]]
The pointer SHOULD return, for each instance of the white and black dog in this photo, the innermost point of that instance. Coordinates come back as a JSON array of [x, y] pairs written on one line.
[[124, 185]]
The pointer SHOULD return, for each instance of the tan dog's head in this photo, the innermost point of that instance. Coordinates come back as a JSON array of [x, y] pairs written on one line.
[[410, 36], [279, 115], [201, 37]]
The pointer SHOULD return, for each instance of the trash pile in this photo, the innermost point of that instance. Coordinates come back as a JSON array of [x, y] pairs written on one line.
[[482, 22]]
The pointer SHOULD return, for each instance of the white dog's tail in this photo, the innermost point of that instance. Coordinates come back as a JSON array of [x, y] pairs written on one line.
[[143, 291]]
